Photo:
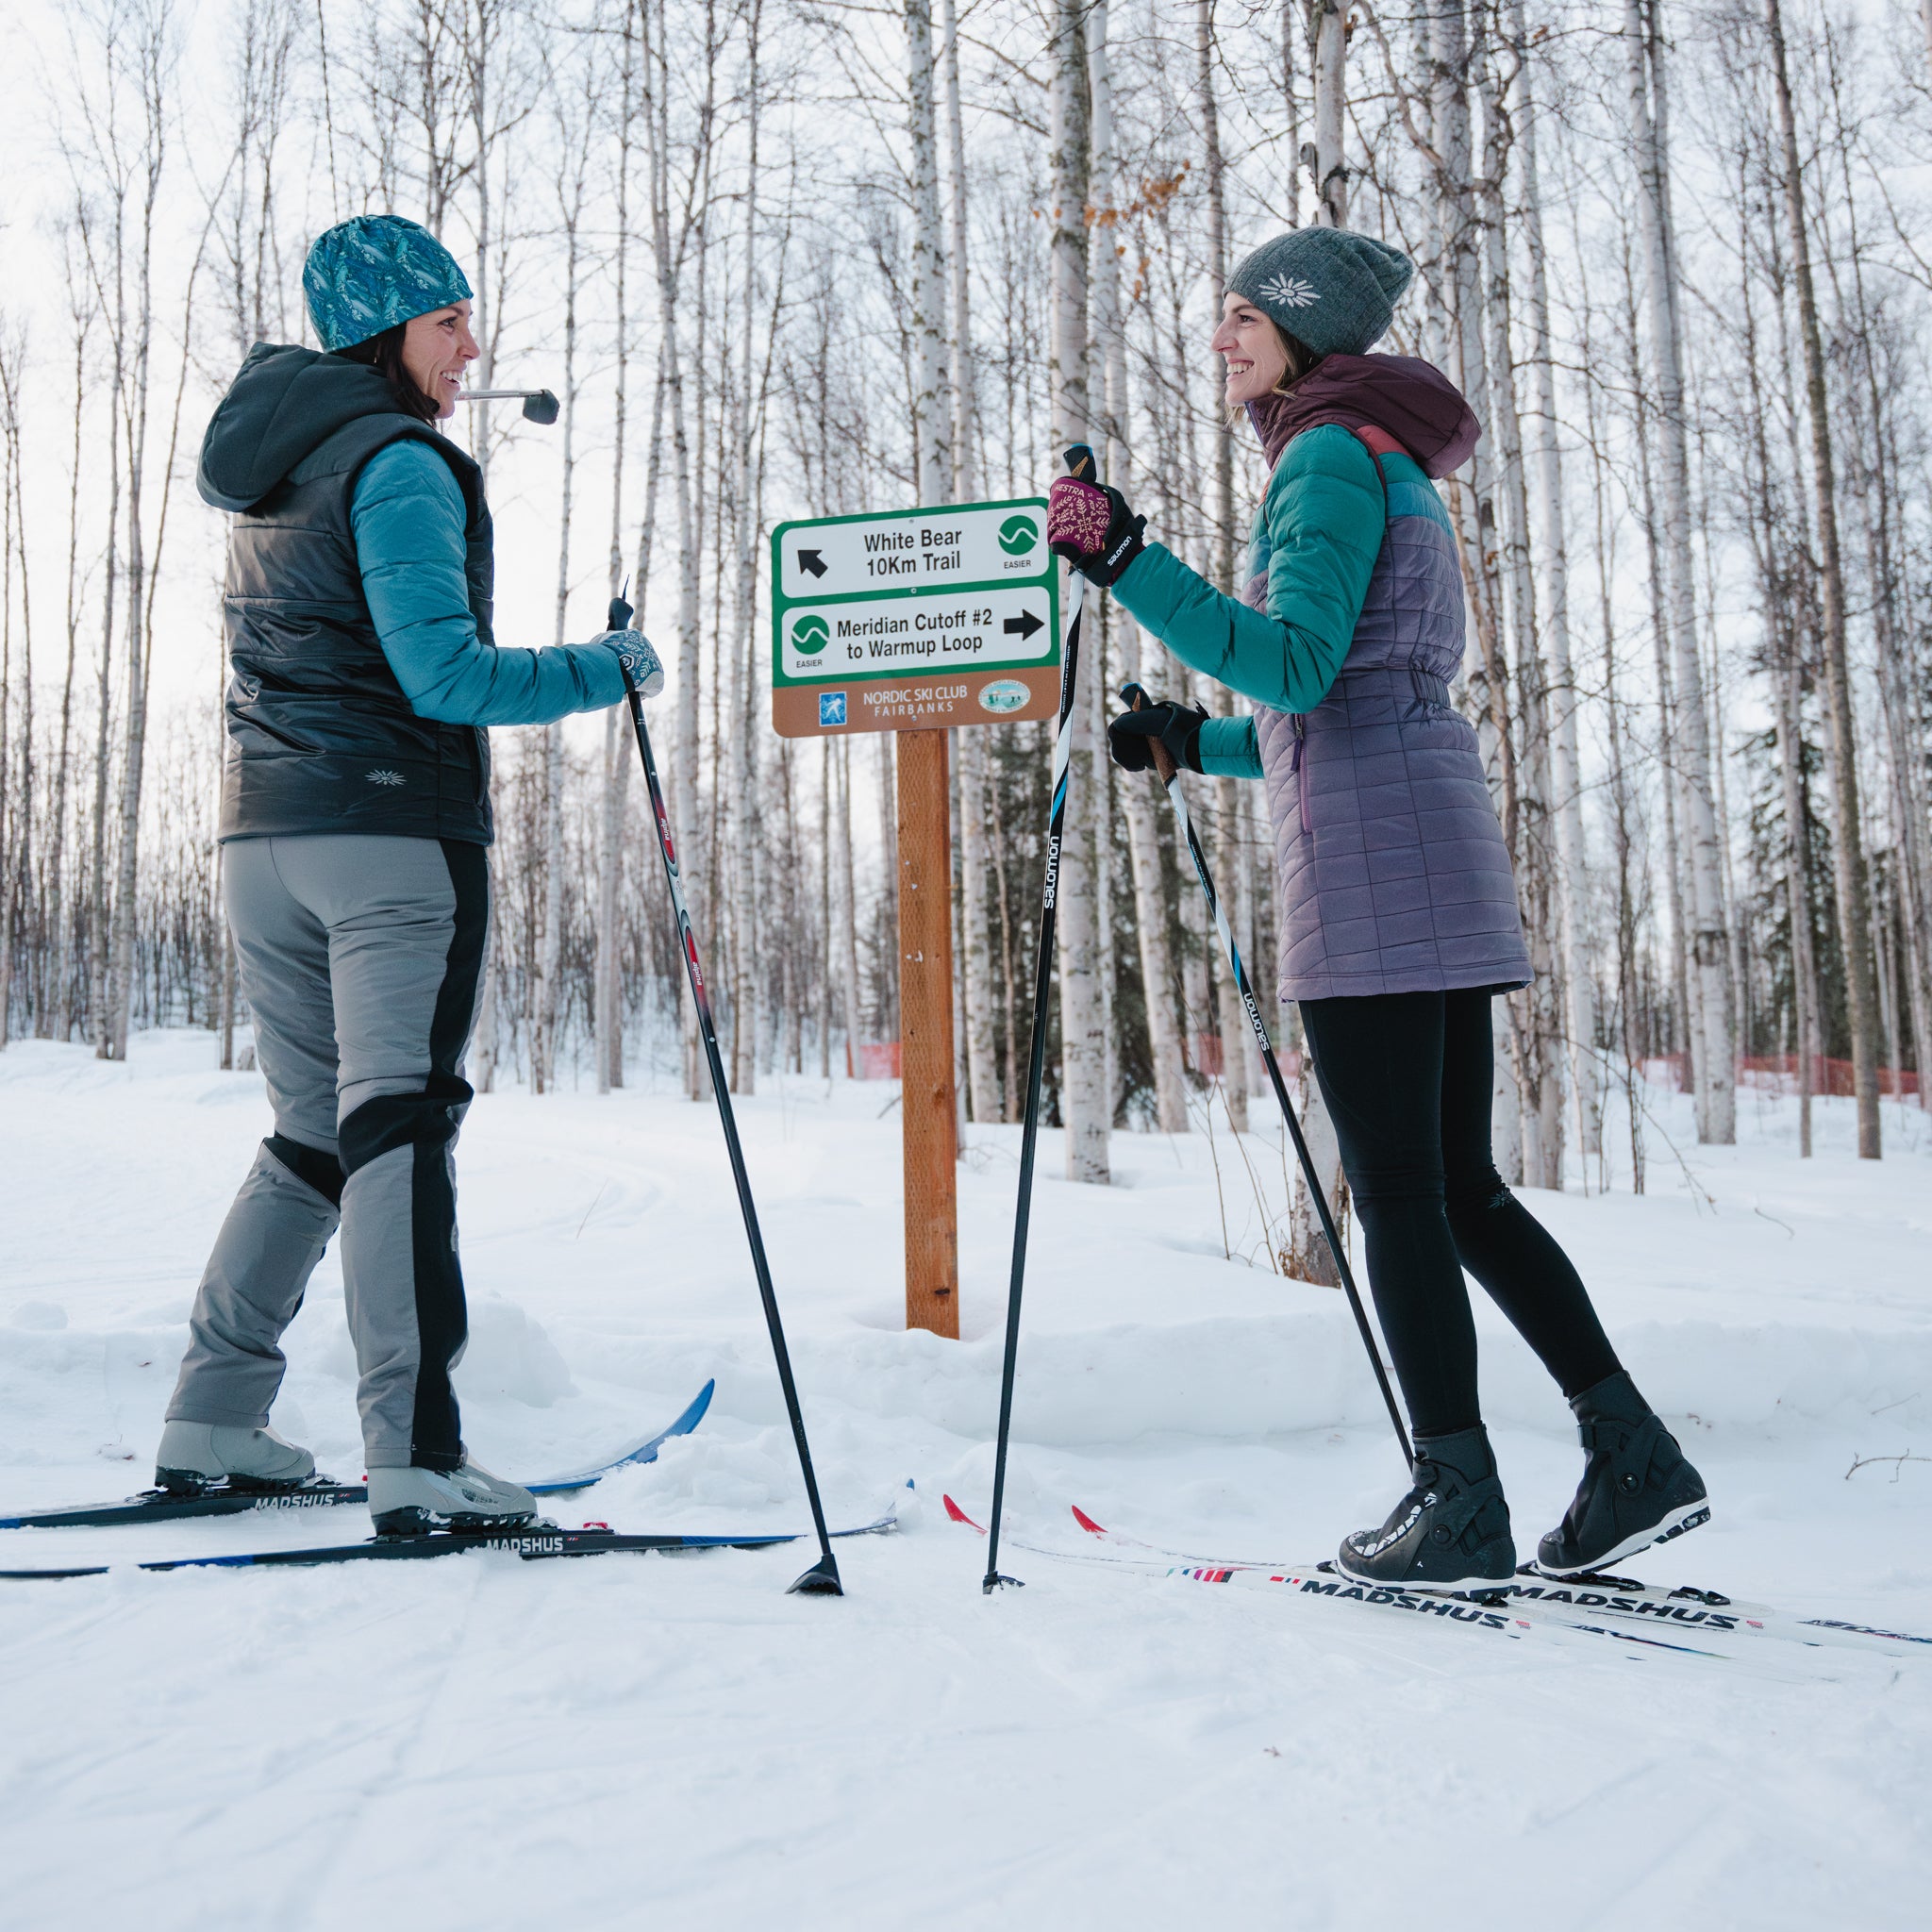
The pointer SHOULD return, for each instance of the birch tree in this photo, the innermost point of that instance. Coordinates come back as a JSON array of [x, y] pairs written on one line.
[[607, 988], [977, 1009], [1151, 917], [1848, 874], [576, 133], [16, 802], [1086, 1106], [1563, 699], [1708, 945], [1533, 1025], [668, 249], [1326, 163], [929, 416], [1225, 824]]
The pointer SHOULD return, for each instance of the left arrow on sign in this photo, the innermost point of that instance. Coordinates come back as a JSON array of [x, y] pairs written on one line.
[[1021, 626], [810, 561]]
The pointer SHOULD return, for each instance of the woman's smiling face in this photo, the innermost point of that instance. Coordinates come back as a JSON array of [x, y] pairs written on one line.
[[436, 348], [1251, 347]]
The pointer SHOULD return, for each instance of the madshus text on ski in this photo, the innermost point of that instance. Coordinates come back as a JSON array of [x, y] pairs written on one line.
[[359, 618]]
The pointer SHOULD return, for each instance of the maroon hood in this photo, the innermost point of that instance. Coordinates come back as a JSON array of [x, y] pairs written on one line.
[[1407, 398]]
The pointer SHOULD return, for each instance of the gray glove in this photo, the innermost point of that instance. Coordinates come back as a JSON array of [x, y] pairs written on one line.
[[638, 659]]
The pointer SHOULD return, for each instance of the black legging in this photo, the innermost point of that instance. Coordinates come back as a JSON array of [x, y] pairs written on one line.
[[1408, 1080]]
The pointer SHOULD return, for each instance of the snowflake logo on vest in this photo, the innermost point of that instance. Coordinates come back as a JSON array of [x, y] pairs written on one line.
[[380, 776], [1290, 291]]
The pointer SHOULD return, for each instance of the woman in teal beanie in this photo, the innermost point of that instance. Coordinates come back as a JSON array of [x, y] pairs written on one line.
[[356, 820], [1397, 906]]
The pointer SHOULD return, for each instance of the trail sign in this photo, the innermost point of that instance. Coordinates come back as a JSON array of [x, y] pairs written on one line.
[[914, 619], [913, 622]]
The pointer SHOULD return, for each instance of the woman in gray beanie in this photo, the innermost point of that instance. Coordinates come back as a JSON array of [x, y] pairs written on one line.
[[356, 818], [1398, 909]]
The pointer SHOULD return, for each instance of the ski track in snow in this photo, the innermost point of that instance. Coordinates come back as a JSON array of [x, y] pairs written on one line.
[[482, 1743]]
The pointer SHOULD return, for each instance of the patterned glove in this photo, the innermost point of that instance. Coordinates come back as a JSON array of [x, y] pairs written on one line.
[[1131, 735], [635, 654], [1090, 525]]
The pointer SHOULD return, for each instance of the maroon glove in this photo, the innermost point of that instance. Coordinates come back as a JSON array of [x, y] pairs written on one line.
[[1090, 525]]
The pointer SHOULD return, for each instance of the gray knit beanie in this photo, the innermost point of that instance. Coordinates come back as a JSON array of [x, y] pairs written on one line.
[[1332, 288]]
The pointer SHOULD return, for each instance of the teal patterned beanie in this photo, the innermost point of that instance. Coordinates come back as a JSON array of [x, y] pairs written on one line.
[[1330, 288], [372, 271]]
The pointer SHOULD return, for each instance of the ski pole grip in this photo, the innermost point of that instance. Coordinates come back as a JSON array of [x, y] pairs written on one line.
[[1135, 700], [617, 617], [1081, 462]]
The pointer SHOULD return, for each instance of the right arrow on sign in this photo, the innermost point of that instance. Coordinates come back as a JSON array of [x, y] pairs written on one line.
[[1024, 625], [810, 561]]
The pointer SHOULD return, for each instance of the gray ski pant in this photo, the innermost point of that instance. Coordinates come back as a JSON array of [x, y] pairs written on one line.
[[361, 958]]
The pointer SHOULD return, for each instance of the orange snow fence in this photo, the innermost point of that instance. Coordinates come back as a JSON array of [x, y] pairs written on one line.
[[872, 1060], [1778, 1074]]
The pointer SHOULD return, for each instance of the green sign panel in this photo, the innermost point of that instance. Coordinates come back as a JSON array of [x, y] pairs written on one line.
[[935, 617]]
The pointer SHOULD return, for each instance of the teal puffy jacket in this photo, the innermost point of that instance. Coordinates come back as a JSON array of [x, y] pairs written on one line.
[[1319, 528]]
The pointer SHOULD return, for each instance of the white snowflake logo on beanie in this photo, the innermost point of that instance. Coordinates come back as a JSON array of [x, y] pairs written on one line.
[[1289, 290]]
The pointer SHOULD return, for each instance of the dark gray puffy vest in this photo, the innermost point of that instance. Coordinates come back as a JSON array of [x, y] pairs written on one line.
[[321, 738]]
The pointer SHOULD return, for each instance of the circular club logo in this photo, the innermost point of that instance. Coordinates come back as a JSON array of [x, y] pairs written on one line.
[[1018, 535], [810, 635], [1002, 695]]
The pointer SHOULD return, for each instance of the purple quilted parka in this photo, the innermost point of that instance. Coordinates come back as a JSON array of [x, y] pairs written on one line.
[[1393, 876]]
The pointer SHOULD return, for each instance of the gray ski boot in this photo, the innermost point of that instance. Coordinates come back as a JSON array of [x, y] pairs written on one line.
[[1450, 1532], [411, 1502], [1638, 1487], [199, 1455]]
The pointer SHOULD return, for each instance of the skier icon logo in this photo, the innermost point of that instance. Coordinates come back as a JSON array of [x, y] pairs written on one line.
[[1002, 695], [831, 710]]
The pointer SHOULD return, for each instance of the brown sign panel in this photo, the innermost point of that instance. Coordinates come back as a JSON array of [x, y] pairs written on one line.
[[932, 700]]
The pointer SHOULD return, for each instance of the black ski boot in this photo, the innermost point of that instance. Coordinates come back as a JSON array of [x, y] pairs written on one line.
[[1450, 1532], [1637, 1487]]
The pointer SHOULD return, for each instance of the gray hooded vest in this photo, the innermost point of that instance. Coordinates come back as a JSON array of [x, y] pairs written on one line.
[[321, 738], [1392, 873]]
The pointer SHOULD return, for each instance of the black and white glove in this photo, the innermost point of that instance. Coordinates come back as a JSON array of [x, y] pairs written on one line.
[[638, 659], [1175, 727]]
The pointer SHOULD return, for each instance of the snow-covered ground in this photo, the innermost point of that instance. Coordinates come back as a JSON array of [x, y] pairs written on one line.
[[643, 1742]]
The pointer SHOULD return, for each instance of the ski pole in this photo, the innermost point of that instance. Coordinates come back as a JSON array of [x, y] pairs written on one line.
[[821, 1579], [1080, 462], [1136, 699]]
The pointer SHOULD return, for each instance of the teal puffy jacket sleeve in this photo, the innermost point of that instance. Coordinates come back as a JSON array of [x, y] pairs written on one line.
[[408, 516], [1321, 530]]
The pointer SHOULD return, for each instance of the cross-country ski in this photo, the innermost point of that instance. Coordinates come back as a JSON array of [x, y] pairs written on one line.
[[162, 1505], [532, 1542], [1688, 1607], [1501, 1611], [1160, 777]]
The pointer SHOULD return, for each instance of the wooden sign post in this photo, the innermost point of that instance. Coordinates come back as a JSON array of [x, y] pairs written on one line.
[[929, 1107], [918, 622]]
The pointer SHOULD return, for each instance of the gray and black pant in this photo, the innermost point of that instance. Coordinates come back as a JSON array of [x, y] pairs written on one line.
[[361, 956]]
